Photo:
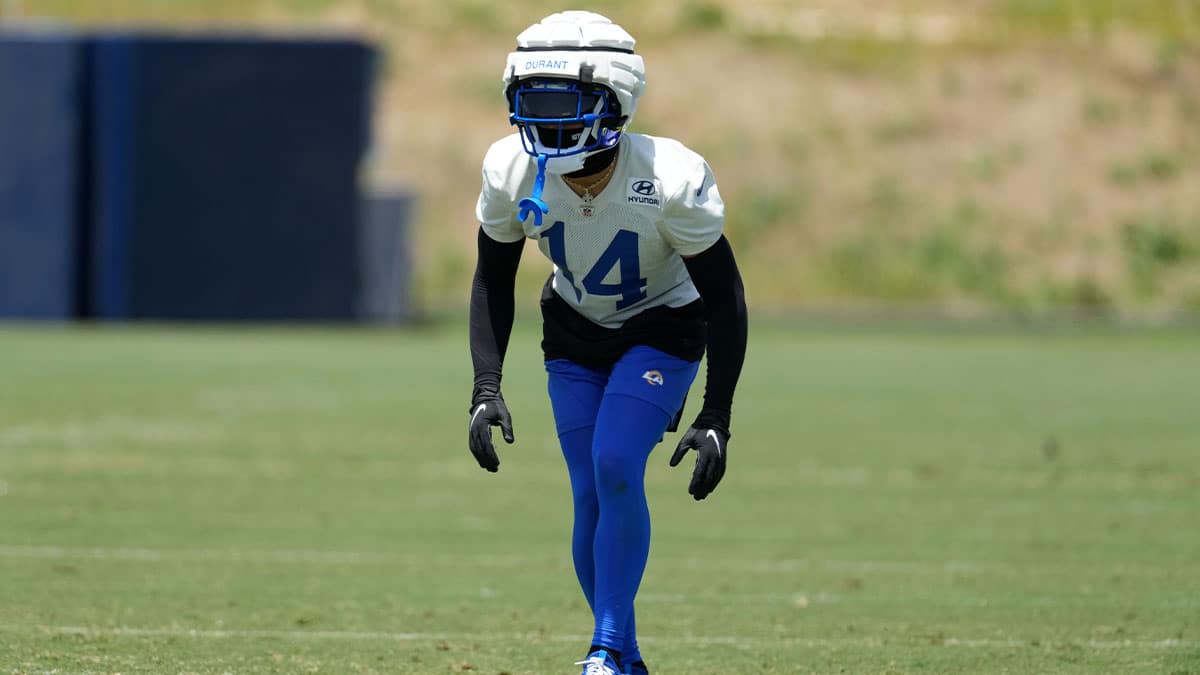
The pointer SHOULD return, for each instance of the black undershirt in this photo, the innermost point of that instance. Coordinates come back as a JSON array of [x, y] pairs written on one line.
[[492, 308], [567, 334], [717, 322], [716, 277]]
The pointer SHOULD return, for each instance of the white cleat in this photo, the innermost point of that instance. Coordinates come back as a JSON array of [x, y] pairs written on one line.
[[600, 663]]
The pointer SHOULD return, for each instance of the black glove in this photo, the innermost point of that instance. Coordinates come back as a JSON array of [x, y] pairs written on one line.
[[711, 445], [485, 415]]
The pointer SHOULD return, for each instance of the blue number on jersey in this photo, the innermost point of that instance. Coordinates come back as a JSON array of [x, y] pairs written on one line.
[[623, 251], [556, 233]]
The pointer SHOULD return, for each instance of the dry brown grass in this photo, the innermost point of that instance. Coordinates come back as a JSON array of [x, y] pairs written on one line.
[[982, 154]]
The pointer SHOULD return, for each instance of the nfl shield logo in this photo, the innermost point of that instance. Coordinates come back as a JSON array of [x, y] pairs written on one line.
[[586, 210]]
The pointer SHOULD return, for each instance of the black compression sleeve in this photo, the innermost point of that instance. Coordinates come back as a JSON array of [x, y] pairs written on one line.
[[492, 308], [715, 274]]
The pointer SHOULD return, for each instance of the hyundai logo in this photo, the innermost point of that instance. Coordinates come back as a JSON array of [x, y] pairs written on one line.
[[644, 187]]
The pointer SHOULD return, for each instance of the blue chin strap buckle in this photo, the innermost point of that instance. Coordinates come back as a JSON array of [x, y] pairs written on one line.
[[533, 203]]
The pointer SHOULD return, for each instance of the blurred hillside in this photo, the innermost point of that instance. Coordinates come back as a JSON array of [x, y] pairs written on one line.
[[960, 156]]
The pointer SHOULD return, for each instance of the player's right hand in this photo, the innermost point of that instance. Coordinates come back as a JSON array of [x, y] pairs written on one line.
[[484, 416], [711, 446]]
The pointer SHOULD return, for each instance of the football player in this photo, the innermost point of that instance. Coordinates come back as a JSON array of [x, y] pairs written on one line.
[[644, 282]]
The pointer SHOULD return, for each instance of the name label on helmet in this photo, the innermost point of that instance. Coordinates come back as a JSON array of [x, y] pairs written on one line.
[[546, 64]]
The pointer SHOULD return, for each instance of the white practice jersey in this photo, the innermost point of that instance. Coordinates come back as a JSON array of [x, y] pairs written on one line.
[[619, 254]]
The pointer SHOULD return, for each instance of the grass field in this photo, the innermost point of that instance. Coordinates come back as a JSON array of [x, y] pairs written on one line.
[[898, 501]]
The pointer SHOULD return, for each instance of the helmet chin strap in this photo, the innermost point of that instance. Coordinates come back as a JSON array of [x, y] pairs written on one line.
[[570, 163], [558, 165], [576, 162], [567, 164], [597, 161]]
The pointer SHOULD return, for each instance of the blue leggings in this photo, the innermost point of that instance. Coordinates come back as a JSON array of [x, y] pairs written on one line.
[[608, 422]]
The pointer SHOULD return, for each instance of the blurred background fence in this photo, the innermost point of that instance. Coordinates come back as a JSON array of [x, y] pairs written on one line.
[[149, 176], [40, 141], [977, 157]]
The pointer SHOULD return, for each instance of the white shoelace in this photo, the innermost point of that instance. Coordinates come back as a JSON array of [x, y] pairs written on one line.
[[595, 666]]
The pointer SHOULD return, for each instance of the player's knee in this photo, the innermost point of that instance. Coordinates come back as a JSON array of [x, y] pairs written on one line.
[[614, 474]]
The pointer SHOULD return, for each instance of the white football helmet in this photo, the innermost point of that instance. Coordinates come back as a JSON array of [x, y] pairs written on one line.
[[572, 86]]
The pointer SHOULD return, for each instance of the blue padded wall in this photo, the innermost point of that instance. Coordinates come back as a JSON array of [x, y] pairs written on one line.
[[40, 80], [224, 176]]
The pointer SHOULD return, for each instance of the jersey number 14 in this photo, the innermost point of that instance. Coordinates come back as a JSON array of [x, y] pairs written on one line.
[[622, 253]]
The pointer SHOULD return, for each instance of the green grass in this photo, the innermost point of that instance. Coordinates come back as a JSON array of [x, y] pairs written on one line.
[[898, 501]]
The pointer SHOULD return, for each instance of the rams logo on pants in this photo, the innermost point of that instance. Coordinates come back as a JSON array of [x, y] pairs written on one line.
[[653, 377]]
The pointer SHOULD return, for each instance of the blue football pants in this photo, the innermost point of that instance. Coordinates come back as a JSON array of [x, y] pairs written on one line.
[[607, 424]]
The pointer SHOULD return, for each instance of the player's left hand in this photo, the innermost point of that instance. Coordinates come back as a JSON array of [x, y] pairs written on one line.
[[484, 416], [711, 446]]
